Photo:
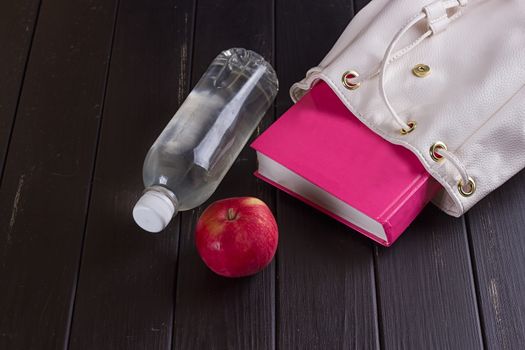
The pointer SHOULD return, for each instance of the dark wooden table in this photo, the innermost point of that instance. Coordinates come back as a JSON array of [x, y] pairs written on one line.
[[85, 88]]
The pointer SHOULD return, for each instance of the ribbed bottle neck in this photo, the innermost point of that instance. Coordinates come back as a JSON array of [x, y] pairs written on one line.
[[169, 195]]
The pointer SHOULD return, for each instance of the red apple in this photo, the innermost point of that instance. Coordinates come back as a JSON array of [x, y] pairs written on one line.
[[236, 237]]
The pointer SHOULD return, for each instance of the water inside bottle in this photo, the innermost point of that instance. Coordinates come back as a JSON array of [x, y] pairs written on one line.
[[207, 133]]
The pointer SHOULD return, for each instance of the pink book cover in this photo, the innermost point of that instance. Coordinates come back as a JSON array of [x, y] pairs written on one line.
[[320, 153]]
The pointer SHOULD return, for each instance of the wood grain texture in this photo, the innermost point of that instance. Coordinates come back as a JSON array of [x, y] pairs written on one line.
[[213, 312], [45, 187], [126, 290], [326, 282], [17, 23], [326, 293], [426, 289], [497, 227], [76, 272]]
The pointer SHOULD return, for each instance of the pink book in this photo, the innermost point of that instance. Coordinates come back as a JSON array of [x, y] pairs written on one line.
[[320, 153]]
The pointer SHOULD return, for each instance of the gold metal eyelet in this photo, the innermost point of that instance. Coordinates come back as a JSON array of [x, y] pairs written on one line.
[[411, 126], [347, 76], [469, 189], [421, 70], [433, 151]]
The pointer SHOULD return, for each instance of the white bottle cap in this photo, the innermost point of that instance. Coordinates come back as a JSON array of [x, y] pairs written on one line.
[[153, 211]]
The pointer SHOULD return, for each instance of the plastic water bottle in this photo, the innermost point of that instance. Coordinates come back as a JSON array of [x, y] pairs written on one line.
[[200, 143]]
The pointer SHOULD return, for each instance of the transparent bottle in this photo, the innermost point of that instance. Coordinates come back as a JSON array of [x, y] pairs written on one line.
[[200, 143]]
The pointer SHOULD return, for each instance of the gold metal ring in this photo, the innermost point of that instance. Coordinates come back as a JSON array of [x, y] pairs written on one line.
[[421, 70], [471, 187], [351, 74], [411, 126], [433, 151]]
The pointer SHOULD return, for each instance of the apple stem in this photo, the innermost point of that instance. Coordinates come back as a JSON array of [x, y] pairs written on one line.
[[231, 214]]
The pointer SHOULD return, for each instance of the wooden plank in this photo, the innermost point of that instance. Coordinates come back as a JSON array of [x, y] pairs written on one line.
[[425, 285], [211, 311], [426, 289], [48, 172], [326, 282], [496, 226], [326, 295], [126, 290], [17, 22]]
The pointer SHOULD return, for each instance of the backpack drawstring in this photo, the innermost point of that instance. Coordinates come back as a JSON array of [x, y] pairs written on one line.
[[438, 20]]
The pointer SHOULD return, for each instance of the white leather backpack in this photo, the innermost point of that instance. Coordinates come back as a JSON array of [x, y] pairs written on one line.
[[444, 79]]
